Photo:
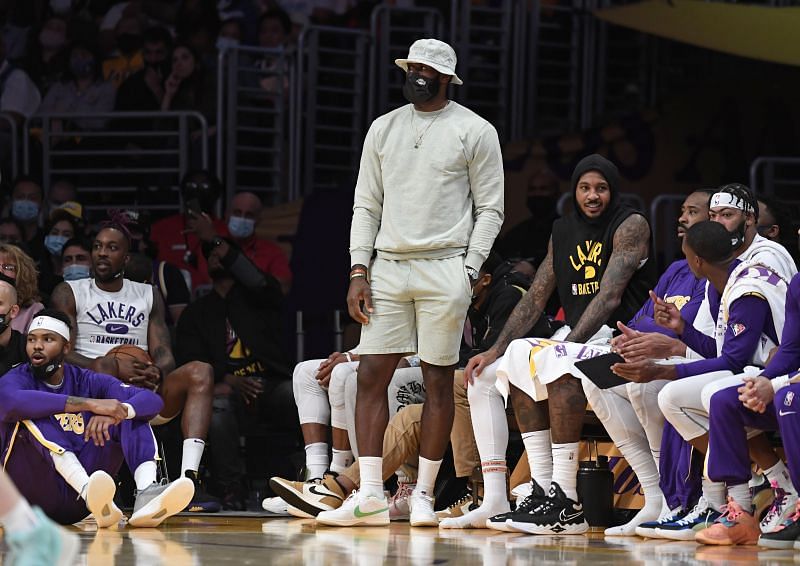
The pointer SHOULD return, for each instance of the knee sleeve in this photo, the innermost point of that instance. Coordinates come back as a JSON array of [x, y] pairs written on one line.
[[644, 400], [488, 415], [311, 399], [336, 393], [615, 412]]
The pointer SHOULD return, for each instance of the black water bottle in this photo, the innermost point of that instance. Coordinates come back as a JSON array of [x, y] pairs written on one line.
[[596, 491]]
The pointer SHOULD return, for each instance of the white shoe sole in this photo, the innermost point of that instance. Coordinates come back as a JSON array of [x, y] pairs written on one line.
[[684, 534], [503, 526], [533, 529], [424, 520], [377, 520], [100, 499], [173, 500], [295, 512]]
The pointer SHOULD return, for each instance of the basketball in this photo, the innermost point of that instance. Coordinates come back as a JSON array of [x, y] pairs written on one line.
[[134, 352]]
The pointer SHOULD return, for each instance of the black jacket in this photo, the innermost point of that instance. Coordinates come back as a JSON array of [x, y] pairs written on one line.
[[254, 308]]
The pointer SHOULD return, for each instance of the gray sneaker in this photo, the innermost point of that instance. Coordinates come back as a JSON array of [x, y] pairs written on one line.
[[159, 501]]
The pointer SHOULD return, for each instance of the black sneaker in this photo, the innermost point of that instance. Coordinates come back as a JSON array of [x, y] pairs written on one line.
[[536, 498], [202, 502], [784, 536], [555, 515]]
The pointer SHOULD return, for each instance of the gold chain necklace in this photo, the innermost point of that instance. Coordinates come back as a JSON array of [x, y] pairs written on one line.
[[418, 141]]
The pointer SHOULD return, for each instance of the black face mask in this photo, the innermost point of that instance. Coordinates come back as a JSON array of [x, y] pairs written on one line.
[[46, 371], [418, 89], [5, 322]]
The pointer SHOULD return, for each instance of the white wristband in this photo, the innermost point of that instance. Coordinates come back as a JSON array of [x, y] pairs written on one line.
[[348, 356], [780, 382], [131, 411]]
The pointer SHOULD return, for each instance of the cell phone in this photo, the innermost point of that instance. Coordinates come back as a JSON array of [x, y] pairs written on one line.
[[598, 370], [193, 207]]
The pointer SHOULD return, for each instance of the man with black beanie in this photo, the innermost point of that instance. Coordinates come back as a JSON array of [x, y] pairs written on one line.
[[598, 260]]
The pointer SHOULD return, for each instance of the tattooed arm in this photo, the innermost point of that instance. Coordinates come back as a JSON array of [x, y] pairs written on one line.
[[158, 338], [631, 246], [62, 299]]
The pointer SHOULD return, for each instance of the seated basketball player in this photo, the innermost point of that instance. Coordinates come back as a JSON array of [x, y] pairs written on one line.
[[108, 310], [66, 429]]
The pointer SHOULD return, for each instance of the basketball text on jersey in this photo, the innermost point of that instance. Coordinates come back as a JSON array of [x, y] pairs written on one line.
[[589, 253], [116, 320]]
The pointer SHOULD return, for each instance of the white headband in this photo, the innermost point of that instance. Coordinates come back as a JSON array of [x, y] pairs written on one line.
[[729, 200], [50, 323]]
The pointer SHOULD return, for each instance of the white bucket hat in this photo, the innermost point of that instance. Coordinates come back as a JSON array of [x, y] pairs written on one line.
[[433, 53]]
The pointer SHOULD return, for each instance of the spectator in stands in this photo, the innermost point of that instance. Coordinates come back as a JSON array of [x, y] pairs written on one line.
[[529, 237], [144, 89], [26, 207], [12, 342], [230, 33], [237, 329], [175, 236], [18, 94], [81, 91], [61, 227], [62, 190], [127, 59], [47, 60], [76, 259], [274, 30], [166, 277], [197, 25], [186, 88], [17, 265], [11, 231]]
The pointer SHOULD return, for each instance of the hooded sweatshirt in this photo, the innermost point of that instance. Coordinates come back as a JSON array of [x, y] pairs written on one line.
[[582, 247]]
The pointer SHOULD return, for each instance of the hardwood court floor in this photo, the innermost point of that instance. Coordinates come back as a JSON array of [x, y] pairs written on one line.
[[195, 541]]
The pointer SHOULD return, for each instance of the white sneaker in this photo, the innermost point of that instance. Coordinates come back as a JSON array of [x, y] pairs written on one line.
[[275, 505], [781, 509], [422, 514], [159, 501], [100, 499], [358, 509]]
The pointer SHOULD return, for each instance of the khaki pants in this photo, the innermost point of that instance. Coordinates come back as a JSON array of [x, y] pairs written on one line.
[[401, 439]]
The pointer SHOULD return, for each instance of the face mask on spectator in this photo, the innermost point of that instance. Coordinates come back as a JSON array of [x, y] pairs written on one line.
[[81, 68], [60, 6], [52, 39], [76, 271], [55, 244], [24, 210], [241, 227], [5, 322]]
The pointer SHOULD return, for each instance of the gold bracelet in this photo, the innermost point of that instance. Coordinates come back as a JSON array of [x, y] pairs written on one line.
[[358, 274]]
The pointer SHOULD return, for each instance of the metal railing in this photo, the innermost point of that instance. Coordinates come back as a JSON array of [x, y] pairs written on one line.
[[254, 112], [121, 159], [776, 176], [9, 139]]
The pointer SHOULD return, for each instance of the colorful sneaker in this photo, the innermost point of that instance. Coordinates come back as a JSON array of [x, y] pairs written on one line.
[[421, 511], [734, 526], [44, 544], [461, 506], [536, 497], [160, 501], [555, 515], [762, 495], [99, 497], [201, 502], [785, 534], [399, 509], [648, 529], [781, 509], [357, 509], [686, 528], [312, 496]]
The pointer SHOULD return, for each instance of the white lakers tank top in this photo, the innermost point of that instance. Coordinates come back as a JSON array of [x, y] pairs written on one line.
[[106, 320]]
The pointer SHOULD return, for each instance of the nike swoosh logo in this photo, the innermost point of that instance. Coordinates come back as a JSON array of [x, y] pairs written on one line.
[[360, 514], [564, 517], [784, 413], [313, 489]]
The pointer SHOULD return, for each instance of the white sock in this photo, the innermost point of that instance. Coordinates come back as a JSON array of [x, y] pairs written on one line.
[[371, 475], [20, 518], [741, 495], [714, 492], [426, 476], [317, 460], [342, 459], [565, 468], [778, 473], [192, 454], [640, 458], [73, 472], [495, 500], [539, 450], [651, 511], [145, 475]]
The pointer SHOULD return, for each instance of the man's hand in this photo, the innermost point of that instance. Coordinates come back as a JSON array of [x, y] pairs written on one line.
[[97, 429], [649, 345], [201, 225], [359, 300], [107, 407], [477, 364], [147, 376], [643, 371], [617, 342], [667, 315], [246, 386], [756, 393], [326, 367]]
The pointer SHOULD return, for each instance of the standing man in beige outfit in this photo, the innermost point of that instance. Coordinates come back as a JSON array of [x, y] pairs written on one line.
[[428, 204]]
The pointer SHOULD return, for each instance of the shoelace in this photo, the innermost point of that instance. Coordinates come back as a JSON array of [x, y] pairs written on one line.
[[404, 491], [793, 519], [461, 500], [777, 506], [696, 513], [730, 512], [531, 502], [671, 517]]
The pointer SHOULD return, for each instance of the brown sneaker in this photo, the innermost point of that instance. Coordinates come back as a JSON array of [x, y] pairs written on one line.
[[734, 526], [312, 496]]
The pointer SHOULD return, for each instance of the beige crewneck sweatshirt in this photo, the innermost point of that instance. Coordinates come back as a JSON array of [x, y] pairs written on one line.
[[441, 199]]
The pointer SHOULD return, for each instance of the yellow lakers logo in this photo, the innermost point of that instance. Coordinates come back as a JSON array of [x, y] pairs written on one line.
[[679, 301], [588, 253], [71, 422]]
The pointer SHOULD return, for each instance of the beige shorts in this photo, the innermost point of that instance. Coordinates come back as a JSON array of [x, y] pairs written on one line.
[[419, 306]]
